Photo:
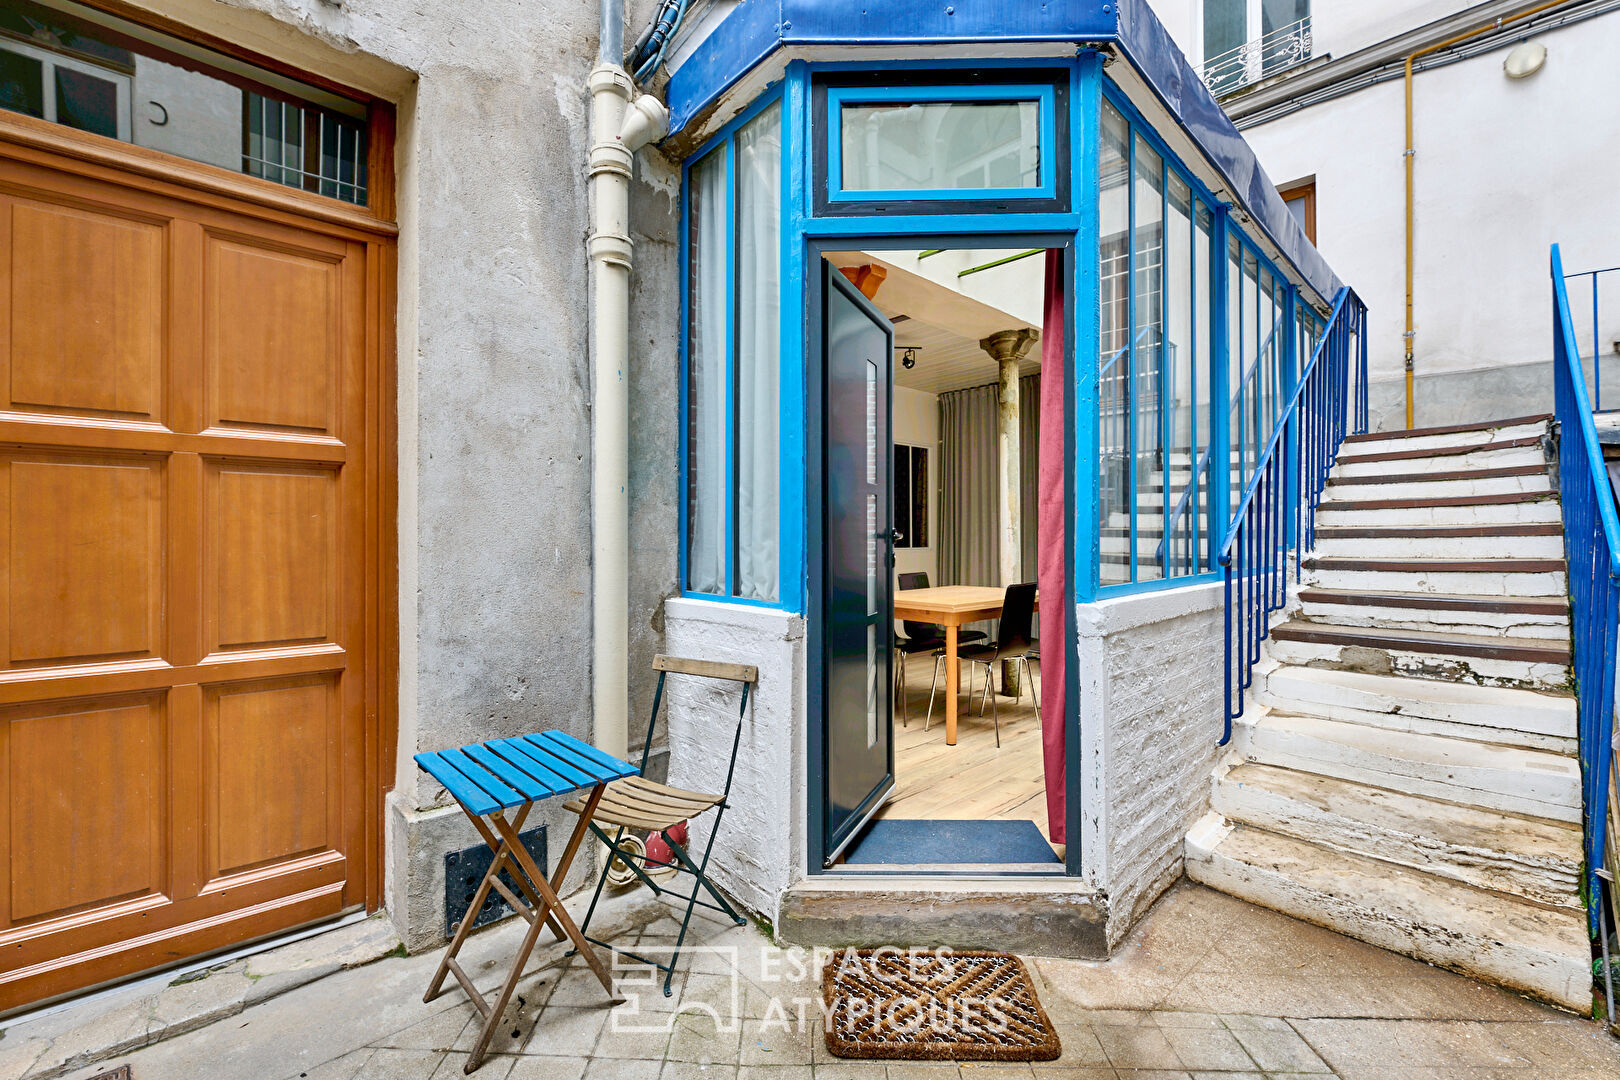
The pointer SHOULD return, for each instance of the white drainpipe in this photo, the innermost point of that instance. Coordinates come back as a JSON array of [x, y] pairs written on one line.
[[619, 127]]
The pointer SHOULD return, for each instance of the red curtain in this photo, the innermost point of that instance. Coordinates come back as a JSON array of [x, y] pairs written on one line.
[[1053, 542]]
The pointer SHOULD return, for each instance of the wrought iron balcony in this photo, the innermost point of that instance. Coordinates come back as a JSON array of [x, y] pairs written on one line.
[[1259, 57]]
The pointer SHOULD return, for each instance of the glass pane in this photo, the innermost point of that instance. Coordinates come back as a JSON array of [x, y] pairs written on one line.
[[107, 75], [1225, 31], [759, 339], [1251, 360], [706, 377], [1113, 359], [941, 146], [86, 102], [1204, 330], [1179, 548], [1235, 365], [22, 84], [1287, 34], [1148, 366]]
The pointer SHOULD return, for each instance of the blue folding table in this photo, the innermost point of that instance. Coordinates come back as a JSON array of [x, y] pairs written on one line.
[[488, 779]]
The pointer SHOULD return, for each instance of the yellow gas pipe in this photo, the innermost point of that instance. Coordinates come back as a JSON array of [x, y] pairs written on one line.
[[1411, 153]]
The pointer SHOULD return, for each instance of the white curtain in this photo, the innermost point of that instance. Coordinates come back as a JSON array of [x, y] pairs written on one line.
[[758, 225], [706, 377]]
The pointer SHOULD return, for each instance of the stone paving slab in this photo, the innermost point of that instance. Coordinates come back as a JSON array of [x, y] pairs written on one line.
[[1207, 988]]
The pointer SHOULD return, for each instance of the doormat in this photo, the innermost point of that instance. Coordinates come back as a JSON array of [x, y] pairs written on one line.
[[120, 1073], [928, 1005], [916, 842]]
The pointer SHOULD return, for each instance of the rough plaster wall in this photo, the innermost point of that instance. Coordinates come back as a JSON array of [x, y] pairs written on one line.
[[1150, 700], [494, 416], [759, 852]]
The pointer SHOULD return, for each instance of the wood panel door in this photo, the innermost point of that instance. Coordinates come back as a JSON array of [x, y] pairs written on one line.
[[189, 390]]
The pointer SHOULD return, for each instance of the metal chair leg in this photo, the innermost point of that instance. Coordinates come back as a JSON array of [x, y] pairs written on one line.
[[1033, 696], [994, 713], [933, 684], [989, 681]]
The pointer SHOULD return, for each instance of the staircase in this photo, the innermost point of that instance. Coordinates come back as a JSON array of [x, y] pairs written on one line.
[[1405, 770]]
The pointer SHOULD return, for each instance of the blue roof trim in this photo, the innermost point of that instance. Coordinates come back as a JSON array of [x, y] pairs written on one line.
[[756, 28], [1154, 54]]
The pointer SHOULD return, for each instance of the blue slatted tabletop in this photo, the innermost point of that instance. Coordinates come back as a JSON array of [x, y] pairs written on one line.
[[503, 773]]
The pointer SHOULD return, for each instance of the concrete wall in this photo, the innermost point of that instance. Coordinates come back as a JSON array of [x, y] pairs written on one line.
[[494, 377], [1150, 707], [760, 850]]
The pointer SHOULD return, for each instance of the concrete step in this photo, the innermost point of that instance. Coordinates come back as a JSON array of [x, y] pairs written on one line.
[[1483, 616], [1538, 541], [1491, 776], [1515, 453], [1493, 714], [1481, 577], [1445, 485], [1541, 951], [1448, 436], [1511, 509], [1522, 663], [1525, 856]]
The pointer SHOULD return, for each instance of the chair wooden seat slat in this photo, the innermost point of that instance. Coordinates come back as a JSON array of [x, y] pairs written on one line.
[[635, 802], [488, 779]]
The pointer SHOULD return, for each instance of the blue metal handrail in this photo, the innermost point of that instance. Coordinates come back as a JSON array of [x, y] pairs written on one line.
[[1597, 347], [1592, 551], [1330, 396], [1194, 482]]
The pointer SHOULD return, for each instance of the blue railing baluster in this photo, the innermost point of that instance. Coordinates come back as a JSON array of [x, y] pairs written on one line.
[[1254, 552], [1592, 550]]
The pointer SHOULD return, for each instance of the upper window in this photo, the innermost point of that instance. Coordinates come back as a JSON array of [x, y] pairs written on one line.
[[82, 68], [1246, 40], [912, 148]]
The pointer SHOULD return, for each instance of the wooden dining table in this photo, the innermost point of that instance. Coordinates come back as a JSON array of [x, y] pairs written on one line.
[[951, 606]]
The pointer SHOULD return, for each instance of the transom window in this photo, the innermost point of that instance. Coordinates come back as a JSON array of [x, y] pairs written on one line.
[[73, 65]]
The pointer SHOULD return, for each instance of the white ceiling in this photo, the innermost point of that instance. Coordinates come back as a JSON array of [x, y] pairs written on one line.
[[946, 324]]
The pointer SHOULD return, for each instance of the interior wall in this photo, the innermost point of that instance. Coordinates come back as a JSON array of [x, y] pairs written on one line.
[[916, 423]]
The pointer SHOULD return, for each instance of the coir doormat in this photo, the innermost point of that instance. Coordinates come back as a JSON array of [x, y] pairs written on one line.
[[934, 1005]]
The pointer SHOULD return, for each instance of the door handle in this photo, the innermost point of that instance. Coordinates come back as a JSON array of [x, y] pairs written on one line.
[[895, 536]]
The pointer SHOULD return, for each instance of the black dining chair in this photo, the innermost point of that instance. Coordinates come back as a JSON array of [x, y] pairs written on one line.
[[1013, 642], [922, 637]]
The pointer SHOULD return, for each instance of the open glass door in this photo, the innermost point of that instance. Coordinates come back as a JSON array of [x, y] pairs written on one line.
[[858, 343]]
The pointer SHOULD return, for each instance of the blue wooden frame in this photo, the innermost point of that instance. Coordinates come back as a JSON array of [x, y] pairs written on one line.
[[723, 142], [840, 96]]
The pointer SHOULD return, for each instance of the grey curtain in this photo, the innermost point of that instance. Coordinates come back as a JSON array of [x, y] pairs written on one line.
[[969, 499]]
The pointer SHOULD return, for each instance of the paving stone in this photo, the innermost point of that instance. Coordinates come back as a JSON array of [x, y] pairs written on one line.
[[687, 1070], [623, 1069], [703, 1040], [773, 1042], [981, 1070], [391, 1064], [1199, 1048], [437, 1032], [1137, 1048], [347, 1067], [916, 1070], [851, 1070], [1279, 1049], [548, 1068], [567, 1032], [454, 1067], [1080, 1048]]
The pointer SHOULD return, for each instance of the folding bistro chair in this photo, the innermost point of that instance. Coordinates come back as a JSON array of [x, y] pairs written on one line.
[[638, 803], [488, 779]]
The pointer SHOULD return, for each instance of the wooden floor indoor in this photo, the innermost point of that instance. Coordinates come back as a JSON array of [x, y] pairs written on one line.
[[973, 780]]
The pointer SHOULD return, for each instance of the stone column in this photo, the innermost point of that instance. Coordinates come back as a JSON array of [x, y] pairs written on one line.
[[1008, 348]]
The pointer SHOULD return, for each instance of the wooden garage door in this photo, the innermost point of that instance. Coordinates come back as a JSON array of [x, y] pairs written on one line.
[[188, 414]]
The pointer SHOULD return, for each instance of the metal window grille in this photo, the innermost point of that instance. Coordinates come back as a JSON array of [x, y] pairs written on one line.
[[1259, 57], [303, 147]]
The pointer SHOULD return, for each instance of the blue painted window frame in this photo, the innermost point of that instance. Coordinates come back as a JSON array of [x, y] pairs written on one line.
[[789, 517], [1044, 94]]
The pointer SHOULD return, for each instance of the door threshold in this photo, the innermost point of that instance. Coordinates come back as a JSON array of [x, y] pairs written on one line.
[[1040, 915], [978, 870]]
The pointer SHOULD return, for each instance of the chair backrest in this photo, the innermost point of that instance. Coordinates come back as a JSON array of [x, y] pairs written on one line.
[[1017, 617], [747, 674], [919, 631]]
